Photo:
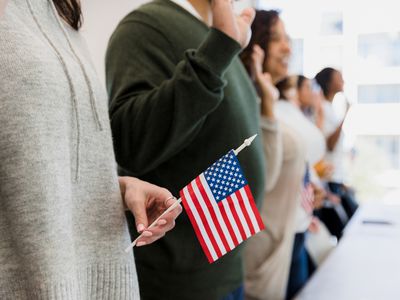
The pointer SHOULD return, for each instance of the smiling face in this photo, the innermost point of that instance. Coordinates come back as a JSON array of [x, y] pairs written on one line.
[[337, 82], [279, 51]]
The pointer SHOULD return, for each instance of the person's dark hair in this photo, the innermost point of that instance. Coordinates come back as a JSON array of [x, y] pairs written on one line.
[[324, 78], [300, 80], [285, 84], [70, 11], [261, 35]]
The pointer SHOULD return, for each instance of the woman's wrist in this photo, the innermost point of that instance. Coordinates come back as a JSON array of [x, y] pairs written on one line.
[[267, 108]]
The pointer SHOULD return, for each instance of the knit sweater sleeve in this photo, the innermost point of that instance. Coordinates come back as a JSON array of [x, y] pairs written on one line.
[[157, 106]]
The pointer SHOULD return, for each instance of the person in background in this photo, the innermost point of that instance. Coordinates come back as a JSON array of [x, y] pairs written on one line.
[[62, 222], [310, 101], [331, 83], [290, 111], [311, 105], [331, 211], [268, 254], [179, 100]]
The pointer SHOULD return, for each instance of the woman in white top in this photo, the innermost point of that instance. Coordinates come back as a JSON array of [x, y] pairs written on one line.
[[289, 111], [331, 83]]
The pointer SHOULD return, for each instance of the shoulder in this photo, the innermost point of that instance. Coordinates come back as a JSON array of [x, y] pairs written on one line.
[[157, 14], [151, 23]]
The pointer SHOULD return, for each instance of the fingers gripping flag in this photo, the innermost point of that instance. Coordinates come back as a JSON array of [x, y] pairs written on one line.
[[221, 207]]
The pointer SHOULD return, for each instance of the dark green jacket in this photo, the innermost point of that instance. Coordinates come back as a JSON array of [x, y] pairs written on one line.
[[180, 99]]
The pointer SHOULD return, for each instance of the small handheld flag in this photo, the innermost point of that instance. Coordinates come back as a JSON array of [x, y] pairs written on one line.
[[221, 207], [307, 193]]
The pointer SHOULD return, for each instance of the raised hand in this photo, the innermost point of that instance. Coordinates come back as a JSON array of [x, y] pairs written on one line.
[[236, 27], [268, 92]]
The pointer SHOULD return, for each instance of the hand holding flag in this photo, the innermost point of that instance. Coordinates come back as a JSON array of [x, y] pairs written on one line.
[[220, 206]]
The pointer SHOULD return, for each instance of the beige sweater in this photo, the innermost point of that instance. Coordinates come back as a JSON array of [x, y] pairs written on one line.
[[268, 254]]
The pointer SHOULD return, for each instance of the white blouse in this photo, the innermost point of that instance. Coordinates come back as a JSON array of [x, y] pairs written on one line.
[[312, 136], [314, 143]]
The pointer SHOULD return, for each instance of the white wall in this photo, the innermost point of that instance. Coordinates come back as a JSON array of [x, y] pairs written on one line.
[[100, 19], [102, 16]]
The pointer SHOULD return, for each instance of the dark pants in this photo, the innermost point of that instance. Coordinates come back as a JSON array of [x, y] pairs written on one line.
[[333, 219], [237, 294], [349, 202], [301, 266], [336, 217]]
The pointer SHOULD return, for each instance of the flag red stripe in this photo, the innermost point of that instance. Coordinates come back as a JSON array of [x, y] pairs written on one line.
[[196, 227], [204, 220], [254, 207], [307, 206], [212, 213], [236, 217], [228, 223], [307, 198], [245, 213]]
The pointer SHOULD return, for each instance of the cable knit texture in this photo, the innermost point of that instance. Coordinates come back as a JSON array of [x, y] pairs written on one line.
[[62, 224]]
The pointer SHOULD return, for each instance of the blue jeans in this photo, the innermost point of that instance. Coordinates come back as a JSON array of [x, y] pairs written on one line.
[[299, 268], [237, 294]]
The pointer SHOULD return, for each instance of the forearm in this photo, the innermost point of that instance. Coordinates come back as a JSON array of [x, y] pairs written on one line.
[[267, 109], [333, 139], [319, 119]]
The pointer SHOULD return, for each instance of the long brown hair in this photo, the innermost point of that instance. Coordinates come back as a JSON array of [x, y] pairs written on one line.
[[261, 35], [70, 11]]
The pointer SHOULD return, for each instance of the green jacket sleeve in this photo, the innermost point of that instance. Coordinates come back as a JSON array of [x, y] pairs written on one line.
[[157, 106]]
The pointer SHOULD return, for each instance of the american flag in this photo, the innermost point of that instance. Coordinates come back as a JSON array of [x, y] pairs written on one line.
[[307, 193], [221, 207]]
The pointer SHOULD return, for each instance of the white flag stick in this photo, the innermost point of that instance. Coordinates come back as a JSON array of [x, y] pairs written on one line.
[[246, 143], [154, 223]]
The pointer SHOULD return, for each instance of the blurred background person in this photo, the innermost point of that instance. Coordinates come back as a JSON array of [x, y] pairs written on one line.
[[310, 101], [330, 210], [319, 241], [331, 83], [269, 254], [289, 109]]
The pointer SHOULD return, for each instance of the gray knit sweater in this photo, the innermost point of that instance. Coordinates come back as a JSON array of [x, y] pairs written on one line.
[[62, 225]]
